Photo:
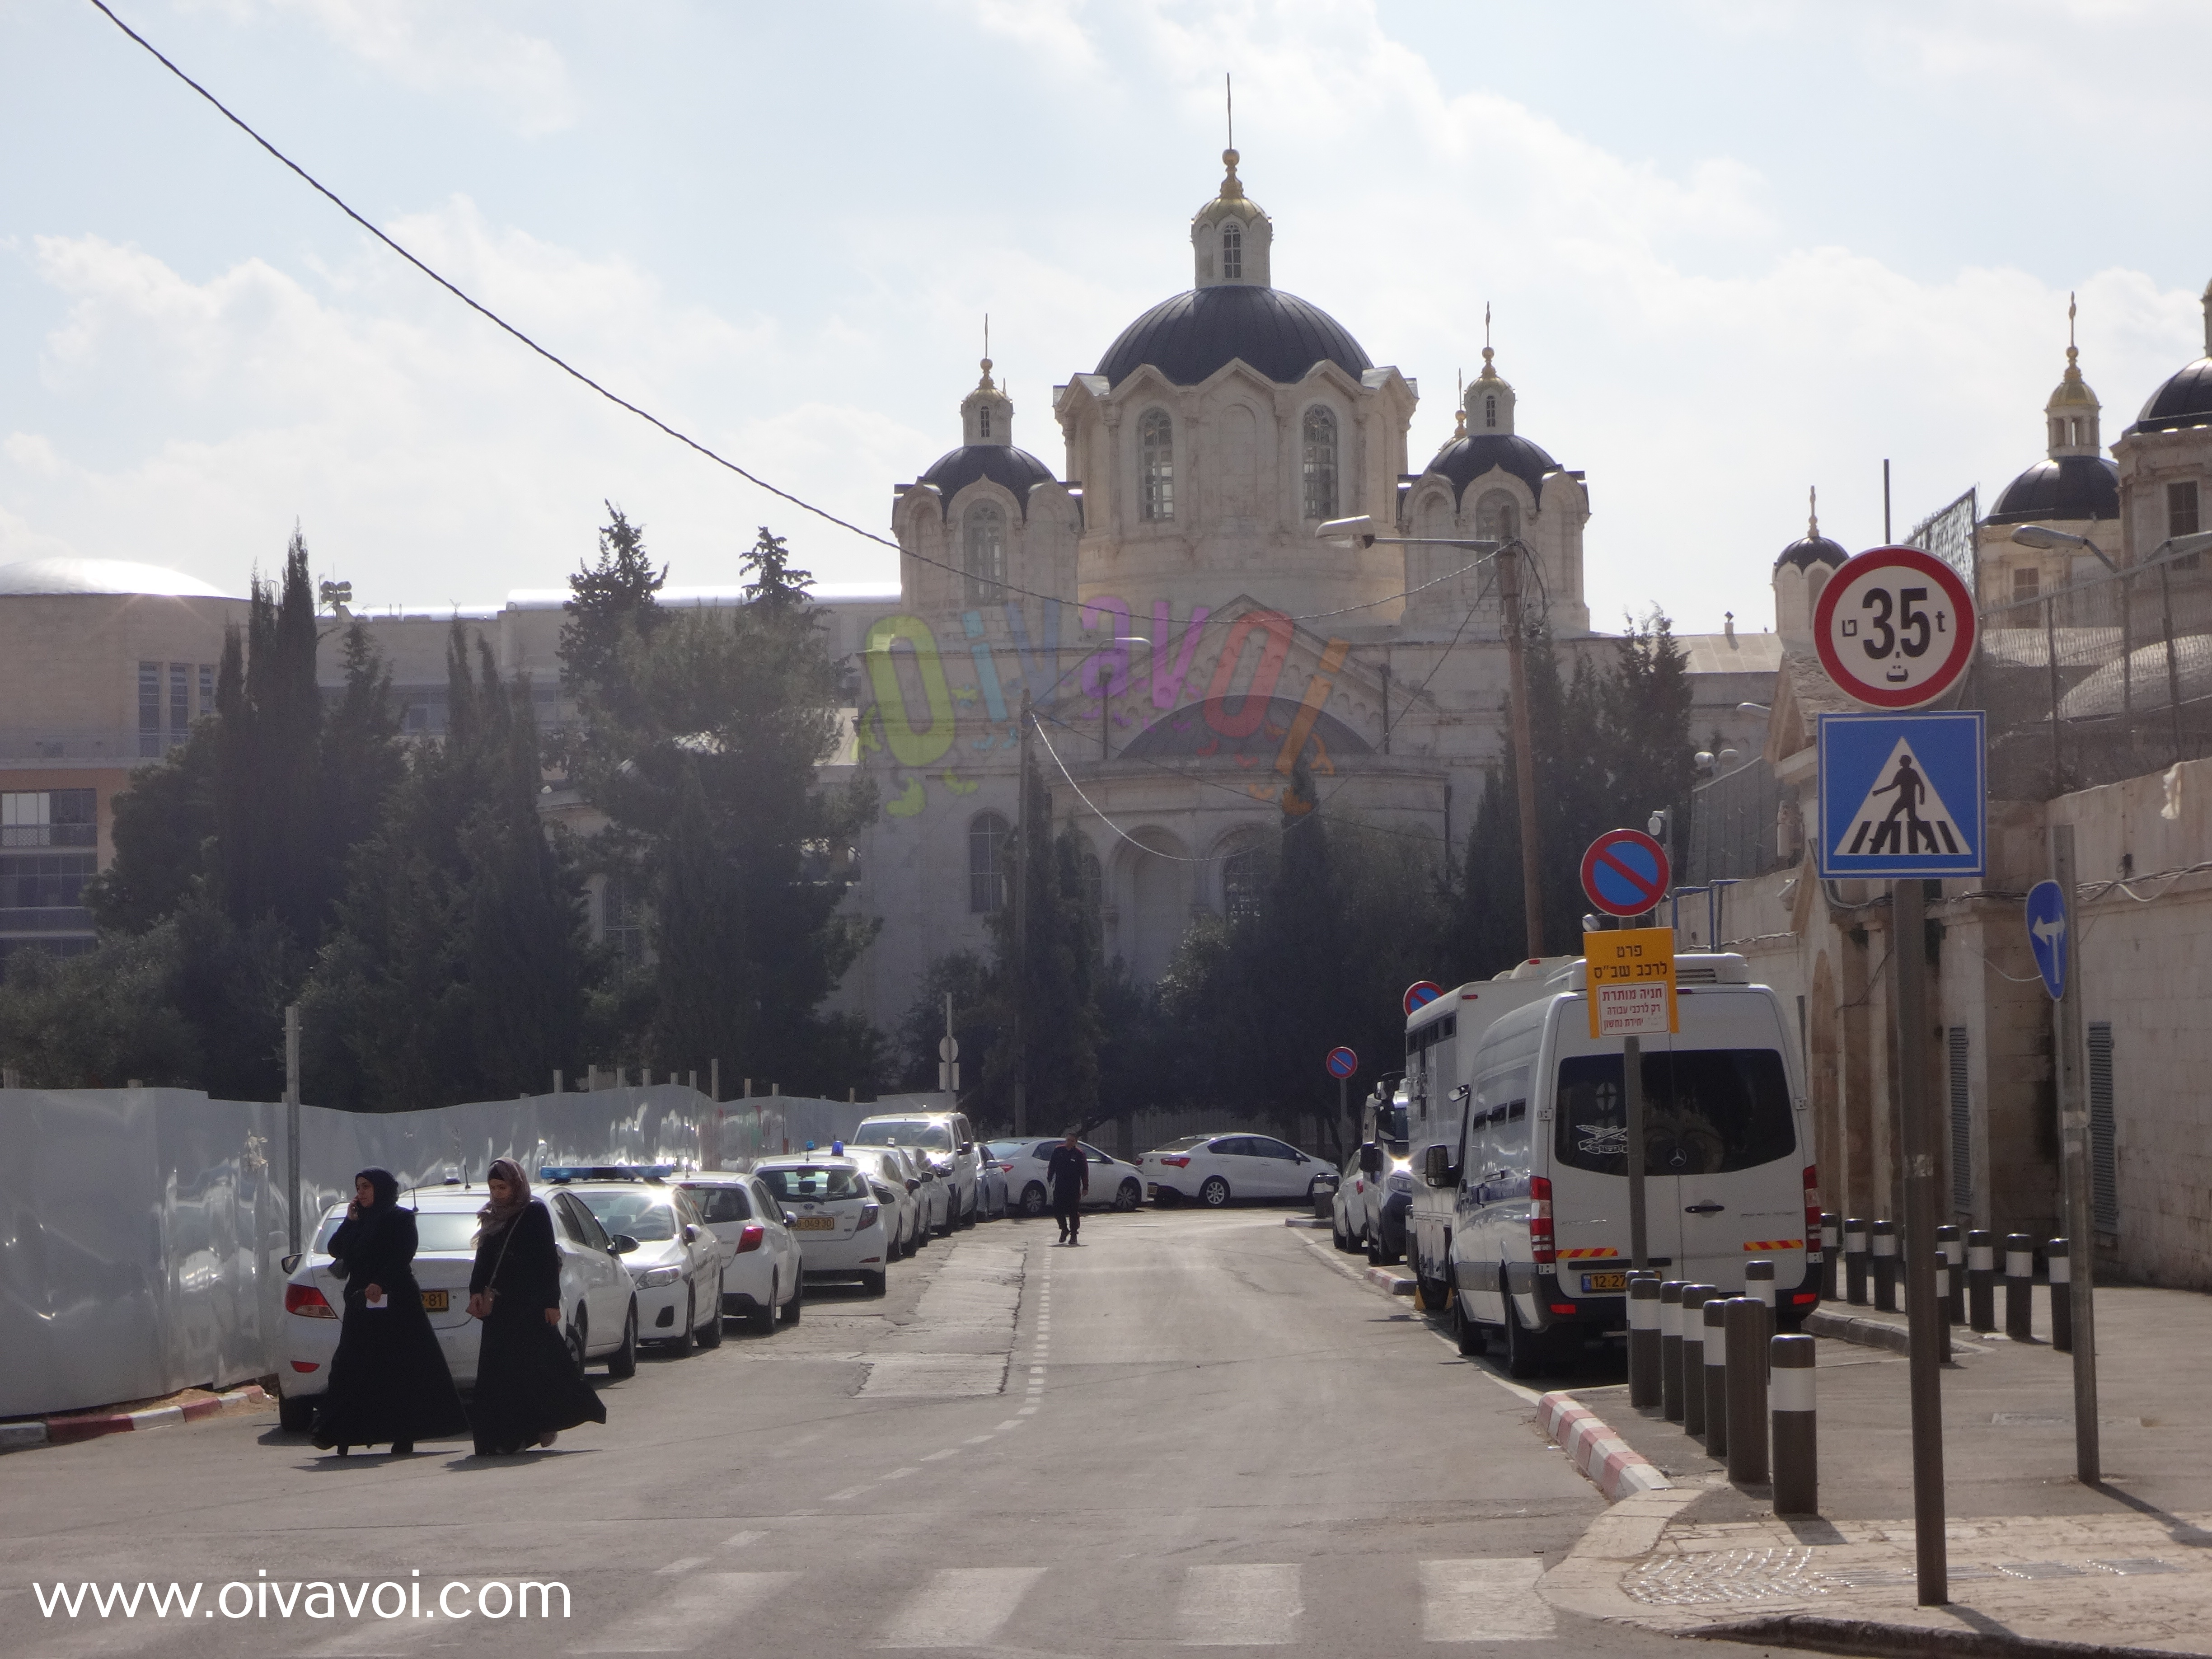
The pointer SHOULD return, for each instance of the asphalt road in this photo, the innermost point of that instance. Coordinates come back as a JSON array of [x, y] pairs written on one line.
[[1191, 1430]]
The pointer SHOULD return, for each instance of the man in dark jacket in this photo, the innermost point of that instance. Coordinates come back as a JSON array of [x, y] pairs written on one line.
[[1069, 1173]]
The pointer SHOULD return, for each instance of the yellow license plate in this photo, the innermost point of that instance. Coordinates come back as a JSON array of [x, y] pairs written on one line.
[[815, 1223], [434, 1301], [1598, 1284]]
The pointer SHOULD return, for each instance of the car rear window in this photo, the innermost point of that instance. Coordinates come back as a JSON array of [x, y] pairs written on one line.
[[722, 1203], [1707, 1111], [810, 1184], [647, 1216], [902, 1131], [1185, 1144]]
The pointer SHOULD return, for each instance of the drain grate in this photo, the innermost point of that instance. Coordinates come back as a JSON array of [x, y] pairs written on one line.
[[1717, 1577]]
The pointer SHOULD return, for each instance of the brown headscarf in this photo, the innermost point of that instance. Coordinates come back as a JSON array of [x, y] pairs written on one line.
[[495, 1216]]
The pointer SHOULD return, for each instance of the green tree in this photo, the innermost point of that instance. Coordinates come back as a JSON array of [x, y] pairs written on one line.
[[966, 978]]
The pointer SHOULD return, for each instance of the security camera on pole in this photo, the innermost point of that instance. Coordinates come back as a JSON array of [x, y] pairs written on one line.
[[1904, 796]]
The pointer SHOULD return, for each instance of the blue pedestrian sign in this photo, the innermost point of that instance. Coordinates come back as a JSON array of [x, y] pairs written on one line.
[[1902, 796], [2046, 934]]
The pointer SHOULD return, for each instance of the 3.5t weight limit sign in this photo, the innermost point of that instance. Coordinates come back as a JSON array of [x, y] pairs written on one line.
[[1895, 627]]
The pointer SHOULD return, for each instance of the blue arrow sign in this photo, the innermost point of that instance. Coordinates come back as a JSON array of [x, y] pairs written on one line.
[[1902, 796], [2046, 934]]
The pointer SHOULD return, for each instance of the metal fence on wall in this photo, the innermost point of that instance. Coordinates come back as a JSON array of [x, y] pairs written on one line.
[[2098, 681], [1733, 832]]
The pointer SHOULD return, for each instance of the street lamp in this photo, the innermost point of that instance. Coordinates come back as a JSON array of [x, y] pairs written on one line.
[[1360, 532], [2044, 539]]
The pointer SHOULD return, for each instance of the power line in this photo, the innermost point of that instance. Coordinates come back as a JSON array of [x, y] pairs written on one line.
[[645, 415]]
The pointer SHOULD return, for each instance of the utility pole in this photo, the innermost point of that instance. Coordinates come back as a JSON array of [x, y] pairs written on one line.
[[2074, 1143], [1021, 927], [292, 1126], [1524, 758], [1908, 950]]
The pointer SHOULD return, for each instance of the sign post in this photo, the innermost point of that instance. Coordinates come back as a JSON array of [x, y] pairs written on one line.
[[1904, 796], [2051, 933], [1629, 973], [1342, 1063]]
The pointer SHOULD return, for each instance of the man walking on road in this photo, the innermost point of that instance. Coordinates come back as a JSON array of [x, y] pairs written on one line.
[[1069, 1172]]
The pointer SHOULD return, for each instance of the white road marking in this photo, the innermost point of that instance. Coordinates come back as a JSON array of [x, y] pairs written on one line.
[[901, 1475], [1243, 1607], [936, 1457], [738, 1540], [849, 1492], [975, 1439], [1011, 1422], [1484, 1600], [960, 1608], [684, 1564], [1026, 1411], [688, 1614]]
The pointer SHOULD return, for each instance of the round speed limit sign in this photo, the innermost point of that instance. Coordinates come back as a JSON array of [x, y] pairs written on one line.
[[1895, 627]]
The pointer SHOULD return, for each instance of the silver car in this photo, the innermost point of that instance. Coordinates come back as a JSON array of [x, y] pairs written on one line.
[[674, 1259]]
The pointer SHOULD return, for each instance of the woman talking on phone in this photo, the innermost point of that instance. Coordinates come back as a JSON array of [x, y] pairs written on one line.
[[388, 1379], [527, 1388]]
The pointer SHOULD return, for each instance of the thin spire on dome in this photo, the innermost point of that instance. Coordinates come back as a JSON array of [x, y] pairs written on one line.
[[984, 385], [1460, 413], [1813, 513]]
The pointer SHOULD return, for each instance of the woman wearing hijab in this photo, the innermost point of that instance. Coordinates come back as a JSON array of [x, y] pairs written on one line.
[[388, 1379], [527, 1388]]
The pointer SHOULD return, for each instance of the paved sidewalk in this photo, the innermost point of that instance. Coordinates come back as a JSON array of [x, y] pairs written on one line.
[[2033, 1552]]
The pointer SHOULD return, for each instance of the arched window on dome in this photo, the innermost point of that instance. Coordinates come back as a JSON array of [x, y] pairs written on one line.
[[1490, 410], [983, 421], [1243, 880], [1497, 517], [1156, 456], [984, 555], [1320, 440], [987, 864], [1232, 251]]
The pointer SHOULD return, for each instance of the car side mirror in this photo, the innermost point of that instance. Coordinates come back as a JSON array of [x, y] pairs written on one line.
[[290, 1263], [690, 1234], [966, 1147], [1370, 1160], [790, 1219], [1435, 1166], [621, 1244]]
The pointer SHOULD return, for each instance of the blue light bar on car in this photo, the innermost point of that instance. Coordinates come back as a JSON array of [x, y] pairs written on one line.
[[560, 1172]]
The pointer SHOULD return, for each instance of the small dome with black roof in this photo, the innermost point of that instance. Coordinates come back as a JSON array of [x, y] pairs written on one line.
[[1488, 405], [1812, 548], [2185, 398], [987, 420]]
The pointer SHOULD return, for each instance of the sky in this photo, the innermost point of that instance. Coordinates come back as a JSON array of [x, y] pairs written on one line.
[[1732, 251]]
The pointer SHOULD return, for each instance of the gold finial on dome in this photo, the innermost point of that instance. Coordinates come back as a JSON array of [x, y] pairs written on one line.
[[2072, 392], [1232, 190], [1813, 513], [984, 385]]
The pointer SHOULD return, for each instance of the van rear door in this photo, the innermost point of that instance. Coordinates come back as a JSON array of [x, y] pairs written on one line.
[[1721, 1115], [1588, 1137]]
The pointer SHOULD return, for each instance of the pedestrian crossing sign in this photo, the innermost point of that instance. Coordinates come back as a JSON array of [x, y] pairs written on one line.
[[1902, 795]]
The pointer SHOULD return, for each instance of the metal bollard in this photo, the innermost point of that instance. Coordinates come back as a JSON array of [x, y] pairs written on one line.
[[1758, 1281], [2060, 1257], [2019, 1287], [1716, 1323], [1831, 1243], [1797, 1437], [1954, 1247], [1670, 1350], [1884, 1242], [1745, 1322], [1981, 1279], [1854, 1260], [1694, 1297], [1643, 1340]]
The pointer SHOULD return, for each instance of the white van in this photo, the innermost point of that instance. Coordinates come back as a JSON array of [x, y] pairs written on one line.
[[1539, 1249], [1441, 1039]]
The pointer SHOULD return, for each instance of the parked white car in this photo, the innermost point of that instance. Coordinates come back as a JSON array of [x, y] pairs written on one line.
[[1348, 1205], [600, 1311], [1214, 1169], [944, 1140], [1114, 1185], [898, 1189], [760, 1274], [834, 1212], [990, 1187], [676, 1263]]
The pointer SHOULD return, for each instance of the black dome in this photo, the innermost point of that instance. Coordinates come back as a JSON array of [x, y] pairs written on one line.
[[2071, 487], [1465, 459], [1002, 463], [2184, 400], [1808, 550], [1188, 337]]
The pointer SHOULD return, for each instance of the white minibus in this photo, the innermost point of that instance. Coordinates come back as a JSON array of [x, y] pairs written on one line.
[[1539, 1251]]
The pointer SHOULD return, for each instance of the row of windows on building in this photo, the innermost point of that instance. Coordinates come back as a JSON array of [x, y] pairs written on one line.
[[42, 870], [990, 860], [166, 705]]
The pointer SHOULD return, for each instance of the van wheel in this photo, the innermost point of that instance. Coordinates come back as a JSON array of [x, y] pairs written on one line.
[[1214, 1194], [622, 1362], [1033, 1200], [1469, 1337], [1525, 1351]]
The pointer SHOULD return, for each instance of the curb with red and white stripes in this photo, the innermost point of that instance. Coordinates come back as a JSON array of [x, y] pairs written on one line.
[[1615, 1467], [90, 1425]]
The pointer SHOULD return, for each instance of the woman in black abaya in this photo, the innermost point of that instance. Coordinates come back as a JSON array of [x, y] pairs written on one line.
[[388, 1379], [527, 1389]]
